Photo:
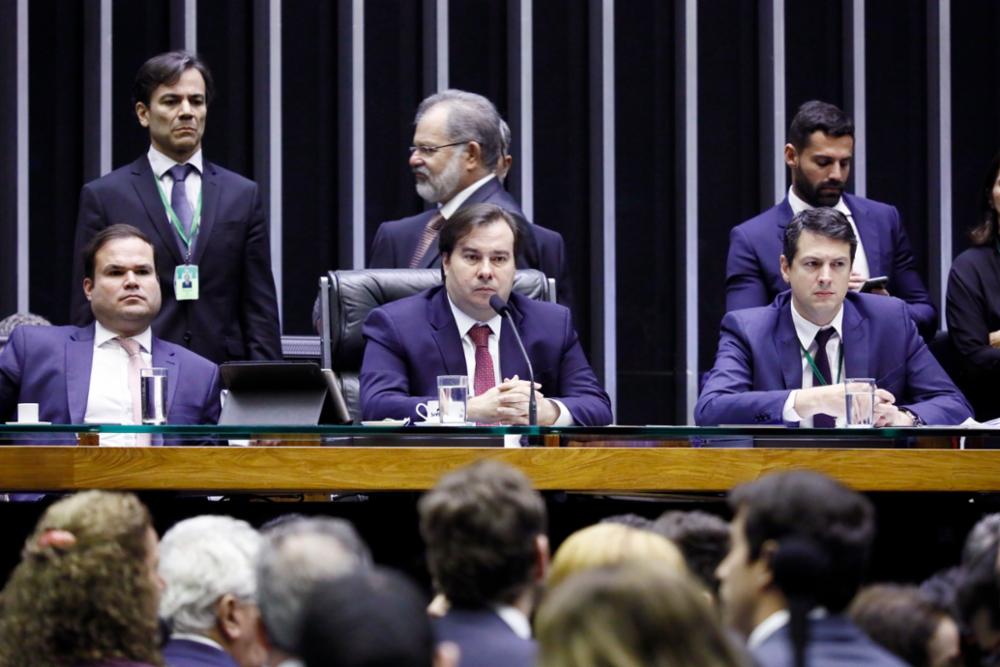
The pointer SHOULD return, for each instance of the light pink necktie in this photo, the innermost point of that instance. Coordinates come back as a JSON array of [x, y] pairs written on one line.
[[135, 366]]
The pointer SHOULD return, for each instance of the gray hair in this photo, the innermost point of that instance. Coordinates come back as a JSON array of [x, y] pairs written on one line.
[[202, 559], [471, 117], [505, 138], [295, 556], [983, 537]]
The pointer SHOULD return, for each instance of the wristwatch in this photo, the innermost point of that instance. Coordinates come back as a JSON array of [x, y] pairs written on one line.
[[917, 421]]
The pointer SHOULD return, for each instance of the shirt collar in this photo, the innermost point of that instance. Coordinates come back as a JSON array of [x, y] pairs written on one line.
[[516, 619], [464, 322], [160, 163], [449, 208], [102, 335], [775, 622], [198, 639], [806, 330], [798, 204]]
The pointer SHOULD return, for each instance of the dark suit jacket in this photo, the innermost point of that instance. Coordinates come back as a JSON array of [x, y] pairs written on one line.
[[833, 642], [236, 315], [542, 248], [758, 363], [409, 342], [51, 366], [484, 639], [753, 268], [186, 653]]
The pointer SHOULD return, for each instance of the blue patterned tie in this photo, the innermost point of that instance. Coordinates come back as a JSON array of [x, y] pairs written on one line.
[[178, 196], [823, 365]]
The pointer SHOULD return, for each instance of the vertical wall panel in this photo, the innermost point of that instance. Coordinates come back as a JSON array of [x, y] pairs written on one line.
[[814, 52], [478, 57]]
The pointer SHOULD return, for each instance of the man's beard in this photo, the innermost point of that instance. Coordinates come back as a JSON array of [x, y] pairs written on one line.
[[814, 196], [438, 189]]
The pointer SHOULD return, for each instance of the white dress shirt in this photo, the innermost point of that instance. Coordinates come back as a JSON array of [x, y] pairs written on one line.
[[860, 265], [109, 400], [775, 622], [514, 618], [805, 331], [448, 208]]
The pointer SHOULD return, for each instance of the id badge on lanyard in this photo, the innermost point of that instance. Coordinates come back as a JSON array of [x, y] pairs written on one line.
[[186, 274]]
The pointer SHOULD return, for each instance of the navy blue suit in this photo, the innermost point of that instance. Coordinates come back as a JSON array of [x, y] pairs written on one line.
[[409, 342], [51, 366], [833, 642], [484, 639], [758, 363], [236, 314], [753, 268], [186, 653]]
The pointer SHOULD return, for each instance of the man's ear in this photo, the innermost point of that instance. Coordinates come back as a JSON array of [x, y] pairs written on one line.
[[542, 553], [763, 571], [225, 616], [473, 155], [142, 113], [785, 269], [88, 287], [791, 156]]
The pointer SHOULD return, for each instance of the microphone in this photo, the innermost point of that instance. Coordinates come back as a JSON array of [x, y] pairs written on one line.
[[503, 309]]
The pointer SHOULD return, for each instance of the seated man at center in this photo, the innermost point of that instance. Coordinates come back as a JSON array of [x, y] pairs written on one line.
[[785, 363], [453, 330]]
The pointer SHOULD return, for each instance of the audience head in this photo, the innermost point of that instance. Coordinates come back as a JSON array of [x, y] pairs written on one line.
[[484, 527], [456, 143], [629, 519], [207, 563], [479, 246], [902, 620], [983, 537], [703, 538], [86, 588], [987, 232], [979, 599], [609, 543], [120, 279], [171, 95], [819, 248], [11, 322], [819, 152], [295, 555], [630, 615]]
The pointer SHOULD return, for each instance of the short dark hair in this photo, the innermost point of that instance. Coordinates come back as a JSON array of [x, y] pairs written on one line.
[[166, 69], [825, 221], [816, 115], [366, 619], [101, 238], [703, 538], [899, 618], [987, 232], [979, 588], [480, 524], [810, 510], [467, 218]]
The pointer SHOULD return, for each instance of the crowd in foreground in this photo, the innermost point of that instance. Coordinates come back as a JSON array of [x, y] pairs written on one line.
[[782, 584]]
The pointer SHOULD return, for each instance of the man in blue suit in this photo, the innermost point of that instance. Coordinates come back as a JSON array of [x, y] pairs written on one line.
[[452, 330], [784, 363], [86, 374], [818, 154], [207, 223], [799, 548]]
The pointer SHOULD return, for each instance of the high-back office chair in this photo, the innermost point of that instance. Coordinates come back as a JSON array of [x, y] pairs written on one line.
[[346, 298]]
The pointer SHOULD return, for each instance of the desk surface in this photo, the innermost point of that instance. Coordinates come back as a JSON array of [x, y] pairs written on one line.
[[625, 470]]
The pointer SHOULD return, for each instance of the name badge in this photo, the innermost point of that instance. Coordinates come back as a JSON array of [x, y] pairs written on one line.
[[186, 282]]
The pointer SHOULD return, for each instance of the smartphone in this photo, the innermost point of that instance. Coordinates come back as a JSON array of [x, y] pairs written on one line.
[[875, 283]]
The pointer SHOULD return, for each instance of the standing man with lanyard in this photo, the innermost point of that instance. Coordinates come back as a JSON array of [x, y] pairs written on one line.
[[206, 223]]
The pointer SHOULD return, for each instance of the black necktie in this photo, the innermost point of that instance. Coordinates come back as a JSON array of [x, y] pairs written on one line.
[[823, 366]]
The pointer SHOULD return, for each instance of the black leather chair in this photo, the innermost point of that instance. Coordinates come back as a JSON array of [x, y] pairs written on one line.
[[353, 294]]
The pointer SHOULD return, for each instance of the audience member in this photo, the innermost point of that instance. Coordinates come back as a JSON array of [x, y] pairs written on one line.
[[210, 603], [208, 223], [703, 538], [902, 620], [973, 302], [296, 554], [630, 615], [370, 618], [607, 544], [818, 154], [979, 588], [799, 547], [484, 527], [453, 330], [91, 374], [785, 363], [86, 590]]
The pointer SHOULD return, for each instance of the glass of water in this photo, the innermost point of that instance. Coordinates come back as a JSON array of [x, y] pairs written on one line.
[[453, 397], [154, 395], [860, 396]]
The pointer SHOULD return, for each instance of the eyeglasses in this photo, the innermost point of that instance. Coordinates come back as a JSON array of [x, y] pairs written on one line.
[[428, 151]]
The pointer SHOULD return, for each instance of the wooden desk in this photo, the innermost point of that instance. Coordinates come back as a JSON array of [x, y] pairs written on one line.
[[313, 469]]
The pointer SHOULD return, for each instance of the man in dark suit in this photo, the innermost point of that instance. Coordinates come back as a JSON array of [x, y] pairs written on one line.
[[484, 528], [456, 155], [800, 544], [91, 374], [452, 330], [784, 363], [207, 223], [818, 154]]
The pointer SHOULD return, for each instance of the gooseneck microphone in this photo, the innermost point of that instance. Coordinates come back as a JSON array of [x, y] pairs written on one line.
[[499, 305]]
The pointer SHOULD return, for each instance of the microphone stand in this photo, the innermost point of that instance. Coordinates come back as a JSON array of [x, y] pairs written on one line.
[[497, 304]]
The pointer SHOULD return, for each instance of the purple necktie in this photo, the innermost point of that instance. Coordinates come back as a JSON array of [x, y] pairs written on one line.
[[178, 196], [823, 365]]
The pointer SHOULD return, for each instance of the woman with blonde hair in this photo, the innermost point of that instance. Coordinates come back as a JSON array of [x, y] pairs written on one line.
[[86, 590]]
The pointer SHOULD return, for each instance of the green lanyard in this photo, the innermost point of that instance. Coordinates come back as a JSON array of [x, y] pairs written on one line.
[[812, 364], [195, 221]]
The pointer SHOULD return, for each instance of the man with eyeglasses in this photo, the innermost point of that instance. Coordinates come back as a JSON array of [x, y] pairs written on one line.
[[456, 153]]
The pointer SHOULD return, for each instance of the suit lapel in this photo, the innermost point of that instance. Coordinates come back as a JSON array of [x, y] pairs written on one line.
[[165, 358], [79, 361], [445, 333], [210, 193], [856, 343], [869, 232], [144, 183], [787, 349]]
